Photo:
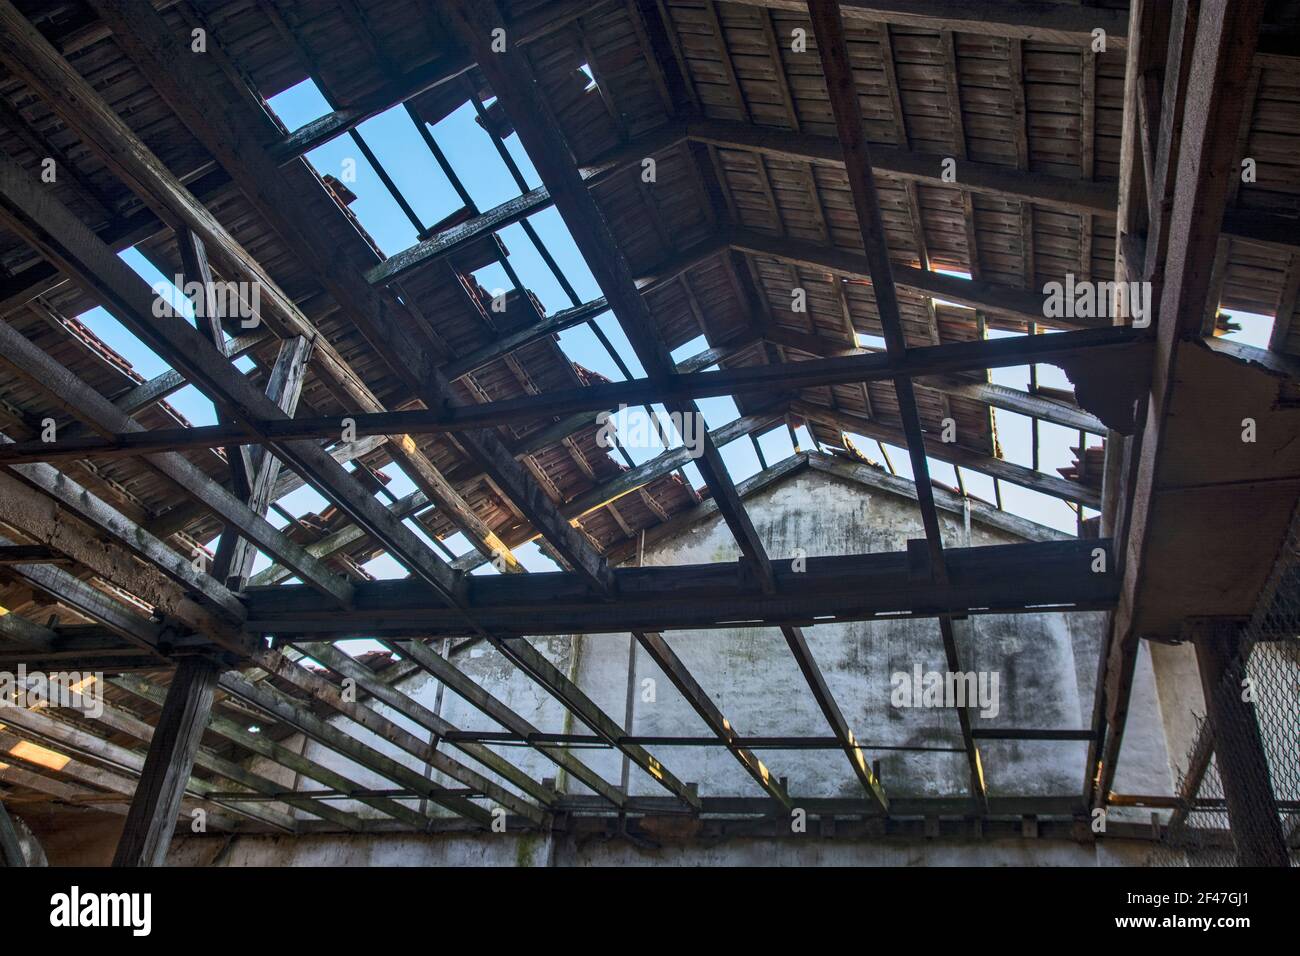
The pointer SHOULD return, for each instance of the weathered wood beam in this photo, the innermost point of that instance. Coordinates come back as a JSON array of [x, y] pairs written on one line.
[[709, 595], [292, 200], [944, 499], [283, 387], [91, 602], [11, 851], [371, 719], [954, 454], [444, 670], [1043, 20], [889, 162], [1019, 305], [511, 79], [19, 353], [81, 107], [61, 237], [306, 768], [676, 670], [108, 521], [862, 366], [303, 720], [126, 723], [152, 818], [1219, 65], [39, 728], [828, 26], [109, 545]]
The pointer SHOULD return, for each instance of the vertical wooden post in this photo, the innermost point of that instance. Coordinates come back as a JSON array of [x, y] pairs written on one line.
[[157, 801], [1243, 765], [11, 853]]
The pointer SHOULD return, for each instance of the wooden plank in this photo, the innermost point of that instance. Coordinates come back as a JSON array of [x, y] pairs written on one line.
[[371, 719], [335, 739], [445, 671], [887, 161]]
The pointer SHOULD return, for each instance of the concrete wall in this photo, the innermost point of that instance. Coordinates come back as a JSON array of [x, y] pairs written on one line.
[[512, 849]]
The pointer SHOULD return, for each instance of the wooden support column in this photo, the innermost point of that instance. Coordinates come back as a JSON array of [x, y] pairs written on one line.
[[1238, 749], [11, 853], [152, 817], [283, 388]]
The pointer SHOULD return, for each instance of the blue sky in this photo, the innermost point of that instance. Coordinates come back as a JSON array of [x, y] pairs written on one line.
[[396, 143]]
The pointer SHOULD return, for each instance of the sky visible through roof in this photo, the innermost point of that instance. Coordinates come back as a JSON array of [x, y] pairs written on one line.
[[396, 143]]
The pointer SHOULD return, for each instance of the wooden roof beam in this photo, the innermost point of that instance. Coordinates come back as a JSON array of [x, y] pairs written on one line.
[[289, 199], [1049, 22], [1012, 578], [789, 377], [1220, 43]]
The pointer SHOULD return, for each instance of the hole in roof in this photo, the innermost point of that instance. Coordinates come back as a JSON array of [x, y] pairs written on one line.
[[300, 104], [1249, 328]]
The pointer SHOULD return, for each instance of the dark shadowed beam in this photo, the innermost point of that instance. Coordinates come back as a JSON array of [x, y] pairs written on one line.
[[305, 721], [842, 89], [450, 66], [997, 579], [11, 852], [102, 545], [284, 386], [1227, 32], [534, 122], [444, 670], [370, 683], [1019, 305], [78, 104], [676, 670], [152, 817], [327, 693], [99, 753], [789, 377], [291, 199], [1066, 23], [261, 745]]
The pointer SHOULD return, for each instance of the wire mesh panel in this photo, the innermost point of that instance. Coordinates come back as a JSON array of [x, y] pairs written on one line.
[[1267, 676]]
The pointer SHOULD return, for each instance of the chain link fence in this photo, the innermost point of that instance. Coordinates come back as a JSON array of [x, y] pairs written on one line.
[[1265, 674]]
